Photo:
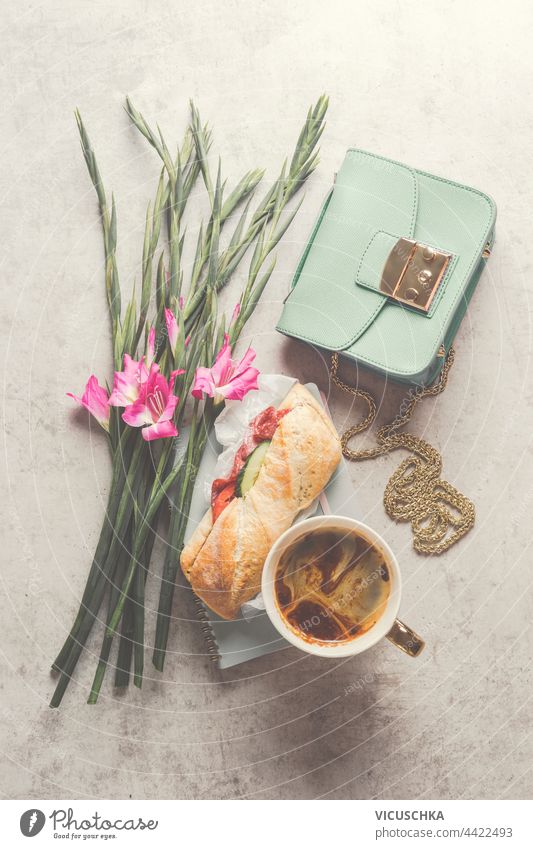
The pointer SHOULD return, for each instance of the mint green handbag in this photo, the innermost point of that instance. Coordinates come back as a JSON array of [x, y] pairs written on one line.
[[385, 280], [390, 267]]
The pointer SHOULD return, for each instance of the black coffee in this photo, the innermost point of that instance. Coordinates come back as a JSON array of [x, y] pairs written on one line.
[[332, 585]]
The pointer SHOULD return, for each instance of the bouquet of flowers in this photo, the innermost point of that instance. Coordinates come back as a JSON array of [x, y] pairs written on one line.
[[173, 365]]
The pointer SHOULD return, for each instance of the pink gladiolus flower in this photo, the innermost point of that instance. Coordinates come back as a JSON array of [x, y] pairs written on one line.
[[127, 384], [154, 408], [227, 378], [172, 330], [96, 400]]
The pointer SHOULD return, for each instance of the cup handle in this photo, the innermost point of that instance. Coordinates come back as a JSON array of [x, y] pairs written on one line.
[[405, 639]]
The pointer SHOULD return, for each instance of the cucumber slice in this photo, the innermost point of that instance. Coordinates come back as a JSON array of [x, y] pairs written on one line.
[[249, 472]]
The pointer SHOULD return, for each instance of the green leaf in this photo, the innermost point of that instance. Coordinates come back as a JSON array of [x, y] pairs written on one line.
[[244, 188], [109, 228], [160, 283], [284, 226], [128, 327], [157, 141], [215, 234], [202, 142]]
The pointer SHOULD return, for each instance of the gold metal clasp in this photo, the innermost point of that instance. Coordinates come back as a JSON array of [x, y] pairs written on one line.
[[413, 272]]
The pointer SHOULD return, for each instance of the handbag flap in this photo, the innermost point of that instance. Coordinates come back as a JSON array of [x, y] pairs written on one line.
[[336, 301]]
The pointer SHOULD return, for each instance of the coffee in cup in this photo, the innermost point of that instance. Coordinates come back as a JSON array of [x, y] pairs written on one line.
[[332, 585]]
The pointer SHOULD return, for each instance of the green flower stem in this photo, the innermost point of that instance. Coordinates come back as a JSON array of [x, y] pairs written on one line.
[[121, 463], [90, 611], [138, 619], [135, 603], [141, 575], [125, 647], [132, 626], [128, 624], [135, 591], [176, 533], [116, 582], [140, 541], [134, 621]]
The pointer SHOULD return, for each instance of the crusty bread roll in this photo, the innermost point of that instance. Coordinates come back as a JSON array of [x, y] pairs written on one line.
[[224, 561]]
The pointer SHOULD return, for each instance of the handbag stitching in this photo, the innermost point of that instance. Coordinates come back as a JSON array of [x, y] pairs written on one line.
[[361, 261], [453, 183]]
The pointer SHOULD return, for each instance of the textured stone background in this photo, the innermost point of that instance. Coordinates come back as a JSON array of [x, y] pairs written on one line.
[[444, 86]]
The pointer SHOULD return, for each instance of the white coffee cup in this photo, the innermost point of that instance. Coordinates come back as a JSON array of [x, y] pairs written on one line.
[[386, 626]]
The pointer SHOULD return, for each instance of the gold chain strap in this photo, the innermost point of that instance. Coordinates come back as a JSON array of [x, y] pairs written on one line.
[[414, 493]]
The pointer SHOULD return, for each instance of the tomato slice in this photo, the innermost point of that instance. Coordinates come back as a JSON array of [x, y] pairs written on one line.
[[222, 499], [260, 429]]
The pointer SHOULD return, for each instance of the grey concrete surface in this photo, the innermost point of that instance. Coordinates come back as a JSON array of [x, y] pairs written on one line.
[[443, 86]]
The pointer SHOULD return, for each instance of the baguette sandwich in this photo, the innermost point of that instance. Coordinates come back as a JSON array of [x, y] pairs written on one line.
[[287, 457]]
